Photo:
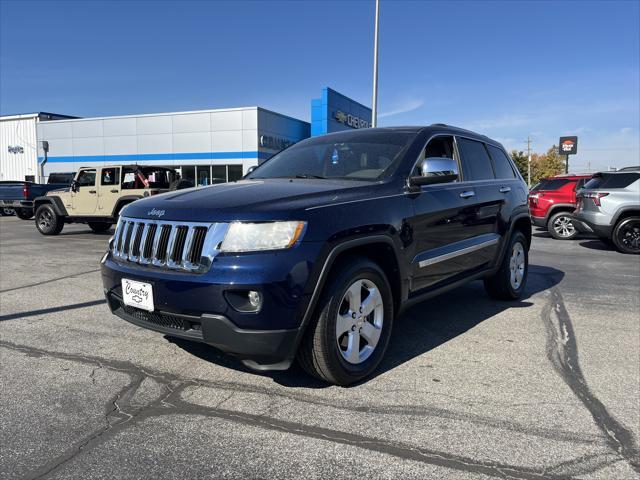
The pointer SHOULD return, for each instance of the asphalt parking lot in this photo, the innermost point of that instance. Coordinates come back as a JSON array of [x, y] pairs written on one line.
[[547, 387]]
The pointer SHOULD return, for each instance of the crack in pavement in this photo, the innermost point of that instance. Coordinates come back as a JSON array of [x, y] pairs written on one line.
[[562, 352], [120, 413]]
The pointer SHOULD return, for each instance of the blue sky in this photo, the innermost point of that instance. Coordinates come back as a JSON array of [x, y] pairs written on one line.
[[507, 69]]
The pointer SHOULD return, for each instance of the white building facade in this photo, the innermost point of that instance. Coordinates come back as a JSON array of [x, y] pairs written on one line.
[[207, 146], [19, 145]]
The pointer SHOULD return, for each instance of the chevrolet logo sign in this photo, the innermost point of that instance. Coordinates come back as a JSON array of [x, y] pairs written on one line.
[[350, 120]]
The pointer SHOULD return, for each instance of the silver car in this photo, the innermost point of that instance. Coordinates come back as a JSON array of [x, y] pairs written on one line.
[[609, 206]]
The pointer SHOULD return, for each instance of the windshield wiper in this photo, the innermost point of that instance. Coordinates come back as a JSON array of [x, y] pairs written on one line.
[[307, 175]]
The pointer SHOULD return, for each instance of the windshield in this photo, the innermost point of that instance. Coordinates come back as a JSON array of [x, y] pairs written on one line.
[[349, 155]]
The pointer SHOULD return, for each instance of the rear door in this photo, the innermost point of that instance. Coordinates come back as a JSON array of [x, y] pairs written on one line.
[[489, 197], [85, 198], [108, 190], [444, 225]]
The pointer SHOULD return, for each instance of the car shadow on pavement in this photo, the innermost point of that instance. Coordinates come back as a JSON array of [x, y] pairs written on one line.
[[418, 330], [598, 245]]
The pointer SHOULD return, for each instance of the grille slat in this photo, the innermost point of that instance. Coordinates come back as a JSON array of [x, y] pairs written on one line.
[[147, 248], [168, 244]]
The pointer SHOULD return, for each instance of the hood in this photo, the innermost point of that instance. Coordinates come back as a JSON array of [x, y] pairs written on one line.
[[271, 199]]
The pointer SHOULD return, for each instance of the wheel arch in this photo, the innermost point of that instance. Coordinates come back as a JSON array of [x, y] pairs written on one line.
[[625, 212], [377, 248], [559, 207], [55, 202]]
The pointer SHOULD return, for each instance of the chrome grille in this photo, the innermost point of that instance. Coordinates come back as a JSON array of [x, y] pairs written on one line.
[[184, 246]]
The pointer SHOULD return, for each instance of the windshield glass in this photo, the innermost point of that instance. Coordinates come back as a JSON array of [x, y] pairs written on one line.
[[349, 155]]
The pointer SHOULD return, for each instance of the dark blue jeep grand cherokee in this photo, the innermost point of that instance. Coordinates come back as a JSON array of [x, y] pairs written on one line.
[[315, 252]]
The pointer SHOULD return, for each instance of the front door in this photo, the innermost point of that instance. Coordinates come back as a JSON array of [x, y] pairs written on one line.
[[446, 230], [85, 198], [109, 190]]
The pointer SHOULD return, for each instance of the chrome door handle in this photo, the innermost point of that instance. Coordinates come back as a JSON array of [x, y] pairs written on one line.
[[92, 191], [468, 194], [505, 189], [113, 191]]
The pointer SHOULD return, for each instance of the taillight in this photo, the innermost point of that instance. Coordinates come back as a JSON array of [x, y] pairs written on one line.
[[595, 197], [25, 190]]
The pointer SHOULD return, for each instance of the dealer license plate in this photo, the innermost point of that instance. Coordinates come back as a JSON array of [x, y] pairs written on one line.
[[137, 294]]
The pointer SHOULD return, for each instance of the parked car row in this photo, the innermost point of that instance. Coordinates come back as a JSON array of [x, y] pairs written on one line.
[[606, 204]]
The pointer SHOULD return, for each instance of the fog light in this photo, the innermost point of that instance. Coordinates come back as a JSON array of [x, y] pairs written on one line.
[[245, 301], [255, 299]]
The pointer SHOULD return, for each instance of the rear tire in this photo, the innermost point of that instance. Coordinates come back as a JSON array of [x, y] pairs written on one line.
[[99, 227], [343, 344], [560, 226], [24, 213], [626, 235], [48, 222], [7, 212], [509, 281]]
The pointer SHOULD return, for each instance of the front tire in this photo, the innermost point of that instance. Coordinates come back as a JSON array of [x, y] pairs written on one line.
[[626, 235], [349, 334], [24, 213], [48, 222], [99, 227], [7, 212], [509, 281], [560, 226]]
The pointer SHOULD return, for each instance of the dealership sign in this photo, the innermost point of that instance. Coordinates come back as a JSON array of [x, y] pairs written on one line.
[[350, 120], [568, 146], [15, 149], [275, 143]]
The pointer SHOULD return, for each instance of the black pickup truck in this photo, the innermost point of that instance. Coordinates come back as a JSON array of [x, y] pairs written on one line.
[[316, 251], [19, 195]]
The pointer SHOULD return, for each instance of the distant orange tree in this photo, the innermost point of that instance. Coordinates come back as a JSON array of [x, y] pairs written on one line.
[[542, 165]]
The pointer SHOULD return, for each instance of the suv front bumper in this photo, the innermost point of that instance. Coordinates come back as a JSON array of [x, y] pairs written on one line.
[[195, 306]]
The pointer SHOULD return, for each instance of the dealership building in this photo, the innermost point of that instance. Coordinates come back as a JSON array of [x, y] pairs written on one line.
[[206, 146]]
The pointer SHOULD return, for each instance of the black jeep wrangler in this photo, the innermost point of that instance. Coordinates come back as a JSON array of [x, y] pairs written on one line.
[[316, 251]]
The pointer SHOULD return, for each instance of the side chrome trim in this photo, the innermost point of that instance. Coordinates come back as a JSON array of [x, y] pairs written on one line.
[[459, 252]]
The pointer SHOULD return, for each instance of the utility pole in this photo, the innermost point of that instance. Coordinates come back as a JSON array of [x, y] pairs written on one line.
[[529, 161], [374, 109]]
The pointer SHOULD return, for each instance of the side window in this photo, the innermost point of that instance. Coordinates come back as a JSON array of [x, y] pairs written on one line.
[[438, 147], [501, 163], [87, 178], [109, 176], [476, 164]]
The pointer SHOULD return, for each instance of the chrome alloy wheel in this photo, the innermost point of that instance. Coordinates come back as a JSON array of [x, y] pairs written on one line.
[[45, 219], [563, 226], [359, 321], [517, 265]]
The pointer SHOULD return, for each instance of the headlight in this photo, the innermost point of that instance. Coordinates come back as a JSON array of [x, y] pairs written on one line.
[[251, 237]]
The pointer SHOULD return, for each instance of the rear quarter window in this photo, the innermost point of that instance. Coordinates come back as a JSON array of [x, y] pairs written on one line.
[[501, 163], [612, 180]]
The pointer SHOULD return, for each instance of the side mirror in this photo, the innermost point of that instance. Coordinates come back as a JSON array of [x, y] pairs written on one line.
[[436, 170], [75, 186]]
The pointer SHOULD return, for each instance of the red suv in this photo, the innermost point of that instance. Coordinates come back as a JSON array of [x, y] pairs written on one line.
[[552, 201]]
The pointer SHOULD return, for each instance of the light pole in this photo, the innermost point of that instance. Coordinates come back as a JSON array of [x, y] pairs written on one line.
[[374, 109]]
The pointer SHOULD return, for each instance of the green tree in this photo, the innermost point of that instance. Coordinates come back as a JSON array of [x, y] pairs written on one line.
[[521, 161], [546, 165]]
